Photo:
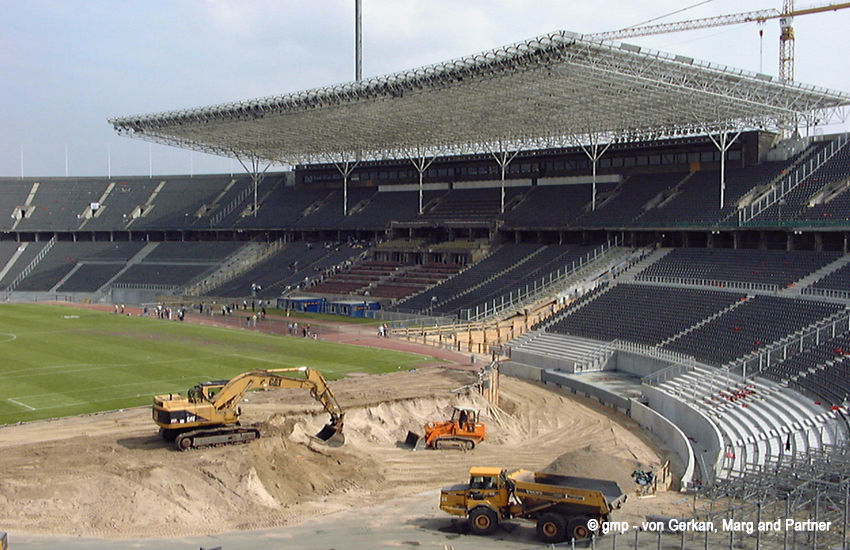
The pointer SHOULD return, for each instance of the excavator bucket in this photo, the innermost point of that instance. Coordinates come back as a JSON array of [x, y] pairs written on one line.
[[414, 441], [331, 435]]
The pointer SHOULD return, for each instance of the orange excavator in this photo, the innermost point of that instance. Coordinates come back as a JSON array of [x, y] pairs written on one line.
[[463, 431], [209, 415]]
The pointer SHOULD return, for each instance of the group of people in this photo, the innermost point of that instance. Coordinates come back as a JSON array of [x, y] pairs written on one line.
[[163, 312], [306, 332]]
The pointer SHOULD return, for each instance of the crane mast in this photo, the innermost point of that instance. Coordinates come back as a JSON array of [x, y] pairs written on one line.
[[786, 41]]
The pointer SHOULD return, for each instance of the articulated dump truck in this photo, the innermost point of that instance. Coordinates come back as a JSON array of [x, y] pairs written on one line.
[[561, 506]]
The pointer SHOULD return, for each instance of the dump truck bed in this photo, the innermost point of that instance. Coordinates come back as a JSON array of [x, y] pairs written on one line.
[[614, 496]]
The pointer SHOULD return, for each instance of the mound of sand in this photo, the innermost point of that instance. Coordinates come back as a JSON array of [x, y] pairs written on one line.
[[587, 462]]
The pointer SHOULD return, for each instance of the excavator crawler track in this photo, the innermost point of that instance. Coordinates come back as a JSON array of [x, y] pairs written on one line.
[[204, 438], [457, 443]]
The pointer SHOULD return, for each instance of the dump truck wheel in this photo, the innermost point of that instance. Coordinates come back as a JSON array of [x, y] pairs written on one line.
[[483, 521], [578, 528], [552, 528]]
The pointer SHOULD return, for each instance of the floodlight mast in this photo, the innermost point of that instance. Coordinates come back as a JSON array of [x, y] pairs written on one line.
[[358, 40]]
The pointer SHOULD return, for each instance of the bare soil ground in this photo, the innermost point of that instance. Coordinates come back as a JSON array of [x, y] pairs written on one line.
[[110, 475]]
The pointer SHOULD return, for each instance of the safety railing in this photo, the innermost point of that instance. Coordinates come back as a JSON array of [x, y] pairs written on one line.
[[234, 204], [825, 293], [28, 269], [792, 180], [750, 366], [715, 283], [522, 296]]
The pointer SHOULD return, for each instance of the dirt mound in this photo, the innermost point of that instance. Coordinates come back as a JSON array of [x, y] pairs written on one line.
[[111, 476], [588, 462]]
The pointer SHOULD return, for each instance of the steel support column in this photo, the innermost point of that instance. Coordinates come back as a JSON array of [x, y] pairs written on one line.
[[593, 153], [345, 167], [257, 176], [421, 163], [723, 143], [503, 159]]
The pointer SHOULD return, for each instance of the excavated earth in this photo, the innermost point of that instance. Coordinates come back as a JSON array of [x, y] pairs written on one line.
[[110, 475]]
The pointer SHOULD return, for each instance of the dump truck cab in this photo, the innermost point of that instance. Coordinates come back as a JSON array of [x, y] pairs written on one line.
[[485, 500], [561, 506]]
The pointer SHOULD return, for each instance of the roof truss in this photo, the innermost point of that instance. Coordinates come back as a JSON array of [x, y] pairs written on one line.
[[552, 91]]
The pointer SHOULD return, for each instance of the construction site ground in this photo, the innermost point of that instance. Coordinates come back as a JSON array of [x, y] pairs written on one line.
[[108, 481]]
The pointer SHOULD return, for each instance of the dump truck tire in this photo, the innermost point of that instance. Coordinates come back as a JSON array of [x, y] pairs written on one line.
[[578, 529], [552, 528], [483, 521]]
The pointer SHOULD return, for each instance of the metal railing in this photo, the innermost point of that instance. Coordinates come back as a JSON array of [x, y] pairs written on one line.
[[28, 269], [596, 358], [234, 204], [206, 283], [714, 283], [663, 375], [792, 180], [826, 293], [145, 286], [750, 366], [532, 291]]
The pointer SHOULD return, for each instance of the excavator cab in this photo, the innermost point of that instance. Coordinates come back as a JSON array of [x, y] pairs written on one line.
[[206, 390]]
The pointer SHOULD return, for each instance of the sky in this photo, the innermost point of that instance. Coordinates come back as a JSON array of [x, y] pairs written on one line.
[[66, 66]]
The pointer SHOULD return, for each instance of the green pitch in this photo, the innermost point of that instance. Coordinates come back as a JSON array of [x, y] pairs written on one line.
[[59, 361]]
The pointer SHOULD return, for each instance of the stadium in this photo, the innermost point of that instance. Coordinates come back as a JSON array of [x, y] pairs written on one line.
[[642, 232]]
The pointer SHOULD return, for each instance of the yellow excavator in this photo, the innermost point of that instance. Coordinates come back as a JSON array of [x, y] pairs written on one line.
[[209, 415]]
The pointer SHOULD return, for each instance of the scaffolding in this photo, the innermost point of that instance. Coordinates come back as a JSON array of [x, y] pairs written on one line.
[[796, 500]]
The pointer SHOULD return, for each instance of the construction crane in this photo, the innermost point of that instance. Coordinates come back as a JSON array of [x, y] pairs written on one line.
[[786, 24]]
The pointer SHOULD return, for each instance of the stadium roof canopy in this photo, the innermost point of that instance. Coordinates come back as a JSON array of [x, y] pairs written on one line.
[[557, 90]]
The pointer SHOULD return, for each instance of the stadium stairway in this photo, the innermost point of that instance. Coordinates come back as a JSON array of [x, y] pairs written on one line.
[[628, 276], [815, 276], [703, 322], [137, 258], [17, 254], [247, 257]]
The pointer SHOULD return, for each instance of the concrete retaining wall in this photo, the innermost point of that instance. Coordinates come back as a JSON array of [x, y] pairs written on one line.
[[675, 438], [706, 438], [542, 361], [620, 404], [639, 365], [519, 370]]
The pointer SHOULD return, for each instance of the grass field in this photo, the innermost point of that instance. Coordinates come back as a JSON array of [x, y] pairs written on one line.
[[59, 361]]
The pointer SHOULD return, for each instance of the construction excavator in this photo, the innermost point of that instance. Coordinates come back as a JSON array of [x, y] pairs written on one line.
[[463, 431], [209, 415]]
